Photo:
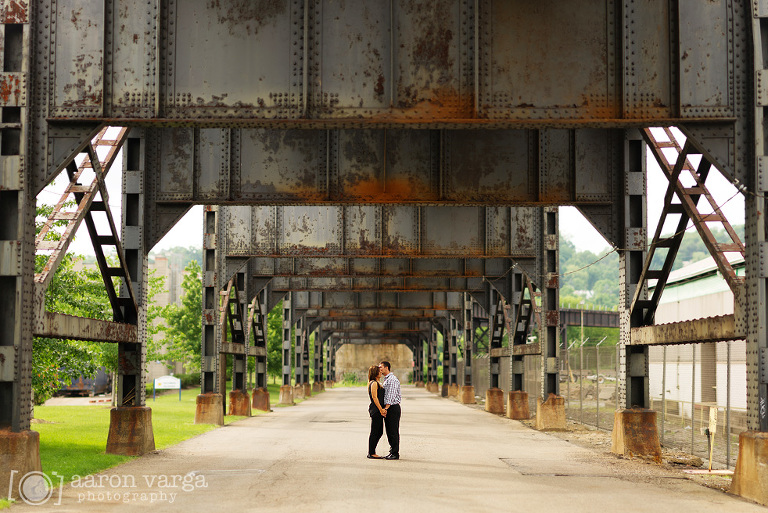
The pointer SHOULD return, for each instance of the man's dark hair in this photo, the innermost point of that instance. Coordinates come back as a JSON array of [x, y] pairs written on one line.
[[387, 365]]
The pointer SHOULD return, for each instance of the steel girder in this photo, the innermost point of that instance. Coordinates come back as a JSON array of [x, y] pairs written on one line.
[[490, 64]]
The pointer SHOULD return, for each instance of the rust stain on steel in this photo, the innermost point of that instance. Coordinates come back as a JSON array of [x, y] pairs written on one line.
[[16, 11], [10, 89], [552, 317], [246, 16], [85, 95]]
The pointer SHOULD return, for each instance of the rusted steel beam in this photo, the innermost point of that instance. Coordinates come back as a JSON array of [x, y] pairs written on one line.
[[403, 268], [592, 318], [383, 283], [57, 325], [238, 348], [708, 329]]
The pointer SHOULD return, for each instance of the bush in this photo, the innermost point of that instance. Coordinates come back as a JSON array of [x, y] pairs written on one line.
[[351, 379]]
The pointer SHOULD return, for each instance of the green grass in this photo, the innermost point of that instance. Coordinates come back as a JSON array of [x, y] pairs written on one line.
[[73, 438], [5, 503]]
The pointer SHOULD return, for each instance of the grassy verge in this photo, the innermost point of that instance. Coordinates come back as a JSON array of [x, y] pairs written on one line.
[[5, 503], [73, 438]]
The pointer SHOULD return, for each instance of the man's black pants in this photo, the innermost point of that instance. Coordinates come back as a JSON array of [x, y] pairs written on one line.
[[392, 425]]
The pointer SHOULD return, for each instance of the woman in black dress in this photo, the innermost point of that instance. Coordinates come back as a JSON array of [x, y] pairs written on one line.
[[375, 410]]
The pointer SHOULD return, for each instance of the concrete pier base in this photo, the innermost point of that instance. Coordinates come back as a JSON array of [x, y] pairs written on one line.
[[750, 478], [317, 387], [130, 431], [286, 395], [467, 395], [419, 384], [550, 414], [298, 392], [517, 405], [20, 454], [494, 400], [260, 399], [453, 391], [432, 387], [444, 390], [635, 434], [210, 409], [307, 390], [328, 383], [239, 403]]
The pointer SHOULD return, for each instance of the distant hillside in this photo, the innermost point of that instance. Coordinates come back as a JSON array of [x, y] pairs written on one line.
[[179, 256], [598, 281]]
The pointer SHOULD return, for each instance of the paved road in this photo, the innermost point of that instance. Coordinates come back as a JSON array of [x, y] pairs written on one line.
[[311, 458]]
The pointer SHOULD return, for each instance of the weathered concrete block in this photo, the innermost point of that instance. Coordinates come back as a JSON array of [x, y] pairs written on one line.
[[130, 431], [286, 395], [467, 395], [432, 387], [322, 385], [239, 403], [19, 452], [328, 383], [307, 390], [209, 409], [635, 434], [317, 387], [517, 405], [750, 479], [550, 414], [298, 392], [453, 391], [260, 399], [444, 390], [419, 384], [494, 400]]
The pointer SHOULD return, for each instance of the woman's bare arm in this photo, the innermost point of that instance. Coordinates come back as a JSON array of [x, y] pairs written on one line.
[[375, 398]]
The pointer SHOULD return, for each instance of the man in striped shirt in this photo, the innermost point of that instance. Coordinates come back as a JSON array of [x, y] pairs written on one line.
[[392, 400]]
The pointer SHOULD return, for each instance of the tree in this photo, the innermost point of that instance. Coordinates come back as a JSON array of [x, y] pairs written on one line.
[[183, 324], [275, 342], [77, 292], [73, 292]]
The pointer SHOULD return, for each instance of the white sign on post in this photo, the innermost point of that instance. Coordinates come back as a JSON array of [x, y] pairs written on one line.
[[166, 383]]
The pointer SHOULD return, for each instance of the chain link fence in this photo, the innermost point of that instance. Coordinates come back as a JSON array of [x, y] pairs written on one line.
[[688, 383]]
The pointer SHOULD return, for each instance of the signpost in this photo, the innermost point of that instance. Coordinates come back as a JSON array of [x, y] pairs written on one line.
[[166, 383]]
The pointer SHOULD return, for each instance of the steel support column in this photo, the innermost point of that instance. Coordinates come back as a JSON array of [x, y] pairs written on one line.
[[633, 360], [318, 355], [468, 340], [132, 357], [17, 256], [550, 304], [287, 342], [300, 336], [453, 341], [517, 365]]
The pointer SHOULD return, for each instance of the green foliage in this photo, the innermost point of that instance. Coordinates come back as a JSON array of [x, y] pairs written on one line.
[[80, 293], [183, 324], [178, 256], [584, 271], [351, 379], [692, 248], [275, 342], [70, 292]]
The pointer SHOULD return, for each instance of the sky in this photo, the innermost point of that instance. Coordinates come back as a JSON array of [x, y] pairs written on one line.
[[573, 226]]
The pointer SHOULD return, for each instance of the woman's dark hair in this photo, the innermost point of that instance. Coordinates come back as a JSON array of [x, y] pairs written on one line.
[[373, 372]]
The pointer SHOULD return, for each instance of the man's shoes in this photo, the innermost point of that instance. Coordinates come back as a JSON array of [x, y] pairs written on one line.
[[391, 456], [375, 457]]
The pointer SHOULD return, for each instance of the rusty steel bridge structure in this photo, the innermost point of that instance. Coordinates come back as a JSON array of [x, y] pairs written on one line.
[[387, 169]]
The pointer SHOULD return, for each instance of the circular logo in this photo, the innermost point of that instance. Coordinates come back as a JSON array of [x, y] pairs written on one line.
[[35, 488]]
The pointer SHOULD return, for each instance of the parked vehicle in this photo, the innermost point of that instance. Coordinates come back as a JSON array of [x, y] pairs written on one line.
[[99, 384]]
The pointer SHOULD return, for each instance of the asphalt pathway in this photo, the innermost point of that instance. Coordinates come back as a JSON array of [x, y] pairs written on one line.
[[311, 458]]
